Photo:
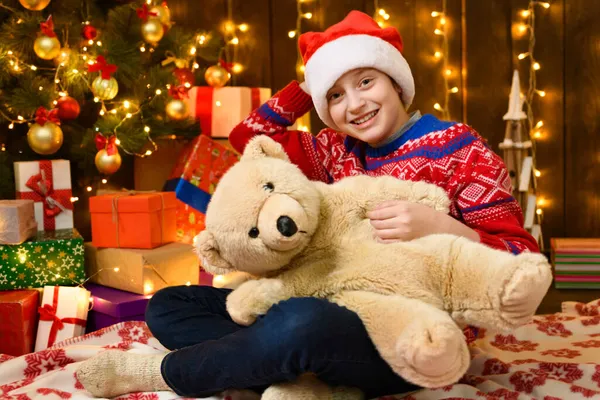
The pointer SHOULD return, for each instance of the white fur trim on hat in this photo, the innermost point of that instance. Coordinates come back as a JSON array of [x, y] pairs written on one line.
[[335, 58]]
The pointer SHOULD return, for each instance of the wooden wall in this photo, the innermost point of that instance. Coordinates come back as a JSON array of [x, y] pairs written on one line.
[[483, 53]]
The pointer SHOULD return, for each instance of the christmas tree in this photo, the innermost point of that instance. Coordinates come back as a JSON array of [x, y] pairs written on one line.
[[91, 80]]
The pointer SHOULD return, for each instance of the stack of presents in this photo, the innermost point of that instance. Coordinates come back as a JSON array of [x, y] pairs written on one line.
[[576, 263], [54, 286]]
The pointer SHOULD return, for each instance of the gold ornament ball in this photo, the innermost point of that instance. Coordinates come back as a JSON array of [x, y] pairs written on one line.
[[177, 110], [216, 76], [45, 139], [105, 89], [46, 47], [152, 30], [107, 164], [163, 14], [34, 5]]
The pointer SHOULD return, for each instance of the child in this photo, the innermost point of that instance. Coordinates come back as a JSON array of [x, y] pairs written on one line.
[[361, 85]]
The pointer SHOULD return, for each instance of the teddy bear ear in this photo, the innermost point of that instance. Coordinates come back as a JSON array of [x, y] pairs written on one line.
[[208, 250], [263, 146]]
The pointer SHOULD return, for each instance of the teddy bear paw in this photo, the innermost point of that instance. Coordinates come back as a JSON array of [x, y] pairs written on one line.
[[524, 289], [432, 356], [310, 388]]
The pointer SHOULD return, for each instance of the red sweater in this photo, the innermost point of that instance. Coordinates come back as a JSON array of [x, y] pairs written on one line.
[[450, 155]]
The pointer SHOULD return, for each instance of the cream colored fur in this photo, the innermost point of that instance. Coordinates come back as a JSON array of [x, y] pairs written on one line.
[[413, 297]]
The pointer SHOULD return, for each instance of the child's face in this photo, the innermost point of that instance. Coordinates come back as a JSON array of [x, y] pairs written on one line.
[[365, 104]]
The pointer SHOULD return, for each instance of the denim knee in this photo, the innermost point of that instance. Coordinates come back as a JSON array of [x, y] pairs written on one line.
[[157, 310]]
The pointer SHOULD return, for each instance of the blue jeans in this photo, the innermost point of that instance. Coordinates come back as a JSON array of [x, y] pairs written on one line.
[[211, 353]]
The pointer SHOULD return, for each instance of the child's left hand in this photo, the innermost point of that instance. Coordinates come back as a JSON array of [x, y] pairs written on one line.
[[396, 220]]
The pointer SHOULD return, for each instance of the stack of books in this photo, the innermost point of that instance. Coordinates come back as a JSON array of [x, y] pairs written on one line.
[[576, 263]]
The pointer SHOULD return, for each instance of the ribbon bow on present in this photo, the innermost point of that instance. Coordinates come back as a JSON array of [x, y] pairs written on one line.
[[227, 65], [110, 144], [143, 13], [48, 313], [101, 65], [42, 116], [47, 27], [179, 92], [171, 58]]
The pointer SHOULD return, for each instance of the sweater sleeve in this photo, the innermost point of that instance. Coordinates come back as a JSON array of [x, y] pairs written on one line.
[[483, 200], [273, 119]]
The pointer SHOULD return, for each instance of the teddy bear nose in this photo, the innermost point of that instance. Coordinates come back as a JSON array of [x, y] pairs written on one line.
[[286, 226]]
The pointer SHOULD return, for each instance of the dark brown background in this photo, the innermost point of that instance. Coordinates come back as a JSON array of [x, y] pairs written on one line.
[[483, 47]]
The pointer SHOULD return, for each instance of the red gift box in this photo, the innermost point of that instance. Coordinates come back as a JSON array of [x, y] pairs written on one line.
[[18, 313], [196, 174]]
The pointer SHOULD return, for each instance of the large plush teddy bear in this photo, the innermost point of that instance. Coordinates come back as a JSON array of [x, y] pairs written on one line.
[[306, 238]]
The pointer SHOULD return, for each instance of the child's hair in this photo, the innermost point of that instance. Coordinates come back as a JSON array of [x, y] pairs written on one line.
[[355, 42]]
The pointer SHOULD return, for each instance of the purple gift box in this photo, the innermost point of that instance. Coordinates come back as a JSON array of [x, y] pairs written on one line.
[[111, 306]]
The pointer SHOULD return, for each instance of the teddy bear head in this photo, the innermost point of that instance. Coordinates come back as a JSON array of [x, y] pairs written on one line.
[[262, 214]]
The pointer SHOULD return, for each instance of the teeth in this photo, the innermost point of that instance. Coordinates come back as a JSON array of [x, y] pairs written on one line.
[[365, 118]]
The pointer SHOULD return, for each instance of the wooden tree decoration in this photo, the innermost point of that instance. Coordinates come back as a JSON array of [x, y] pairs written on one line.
[[518, 158]]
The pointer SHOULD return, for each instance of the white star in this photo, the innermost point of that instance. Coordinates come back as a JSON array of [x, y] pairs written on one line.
[[41, 278], [67, 262], [22, 252], [43, 256], [78, 250], [51, 249], [3, 279]]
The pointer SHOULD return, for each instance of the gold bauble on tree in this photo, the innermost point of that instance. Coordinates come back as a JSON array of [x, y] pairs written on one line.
[[152, 30], [177, 109], [46, 47], [45, 139], [163, 14], [105, 89], [216, 76], [34, 5], [108, 163]]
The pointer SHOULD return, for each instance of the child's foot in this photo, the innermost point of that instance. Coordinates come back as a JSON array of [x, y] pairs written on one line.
[[113, 373]]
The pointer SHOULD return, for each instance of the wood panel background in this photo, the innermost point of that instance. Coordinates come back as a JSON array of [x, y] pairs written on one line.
[[483, 50]]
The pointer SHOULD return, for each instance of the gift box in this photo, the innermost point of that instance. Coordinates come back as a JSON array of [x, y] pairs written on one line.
[[111, 306], [151, 173], [219, 110], [48, 184], [17, 221], [18, 313], [50, 258], [142, 271], [133, 220], [63, 315], [576, 263], [194, 179]]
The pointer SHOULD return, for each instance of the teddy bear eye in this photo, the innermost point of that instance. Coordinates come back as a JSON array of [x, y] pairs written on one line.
[[253, 233], [269, 186]]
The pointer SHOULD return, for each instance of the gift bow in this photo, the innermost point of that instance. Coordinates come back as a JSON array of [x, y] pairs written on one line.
[[110, 144], [42, 116], [47, 27], [101, 65], [227, 65], [179, 92], [143, 13], [171, 58], [48, 313]]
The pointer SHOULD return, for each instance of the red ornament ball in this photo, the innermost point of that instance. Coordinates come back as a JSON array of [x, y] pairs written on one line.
[[89, 32], [68, 108], [184, 76]]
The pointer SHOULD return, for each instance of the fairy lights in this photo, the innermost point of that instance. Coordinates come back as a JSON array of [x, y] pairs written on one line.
[[443, 55]]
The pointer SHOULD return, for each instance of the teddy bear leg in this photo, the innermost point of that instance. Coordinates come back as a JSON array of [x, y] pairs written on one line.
[[309, 387], [420, 342], [490, 288]]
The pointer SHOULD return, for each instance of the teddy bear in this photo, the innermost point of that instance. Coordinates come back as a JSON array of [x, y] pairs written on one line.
[[300, 238]]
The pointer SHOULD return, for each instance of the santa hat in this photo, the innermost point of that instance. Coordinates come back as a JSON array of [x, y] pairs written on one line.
[[356, 42]]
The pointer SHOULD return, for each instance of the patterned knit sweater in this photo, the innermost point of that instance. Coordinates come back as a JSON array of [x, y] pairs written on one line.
[[450, 155]]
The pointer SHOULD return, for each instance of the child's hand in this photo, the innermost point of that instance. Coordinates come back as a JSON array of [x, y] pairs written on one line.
[[397, 220]]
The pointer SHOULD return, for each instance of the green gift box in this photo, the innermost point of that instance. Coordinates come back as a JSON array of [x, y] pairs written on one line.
[[51, 258]]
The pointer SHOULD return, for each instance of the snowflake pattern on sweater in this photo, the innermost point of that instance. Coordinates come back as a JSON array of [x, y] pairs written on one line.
[[451, 155]]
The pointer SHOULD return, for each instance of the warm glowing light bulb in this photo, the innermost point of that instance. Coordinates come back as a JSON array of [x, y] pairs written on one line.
[[522, 56], [536, 66], [104, 180], [454, 90], [89, 188], [438, 32], [292, 34], [435, 14], [437, 106], [525, 13], [243, 27], [539, 124], [308, 15], [537, 173]]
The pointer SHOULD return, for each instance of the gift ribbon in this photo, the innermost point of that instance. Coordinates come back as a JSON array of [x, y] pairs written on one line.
[[126, 193], [42, 116], [48, 313], [171, 58], [179, 92], [204, 106], [42, 190], [110, 144], [104, 67], [143, 13], [47, 27]]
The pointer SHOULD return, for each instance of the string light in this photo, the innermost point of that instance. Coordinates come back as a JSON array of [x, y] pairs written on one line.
[[380, 15], [443, 54]]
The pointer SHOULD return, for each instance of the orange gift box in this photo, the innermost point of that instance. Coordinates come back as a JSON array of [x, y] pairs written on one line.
[[130, 220]]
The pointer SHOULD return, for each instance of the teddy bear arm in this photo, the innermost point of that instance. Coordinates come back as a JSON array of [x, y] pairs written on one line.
[[254, 298], [367, 192]]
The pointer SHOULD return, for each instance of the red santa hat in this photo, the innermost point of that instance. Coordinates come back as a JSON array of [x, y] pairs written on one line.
[[355, 42]]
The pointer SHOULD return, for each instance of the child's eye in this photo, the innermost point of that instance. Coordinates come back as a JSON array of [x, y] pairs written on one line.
[[334, 96], [366, 81]]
